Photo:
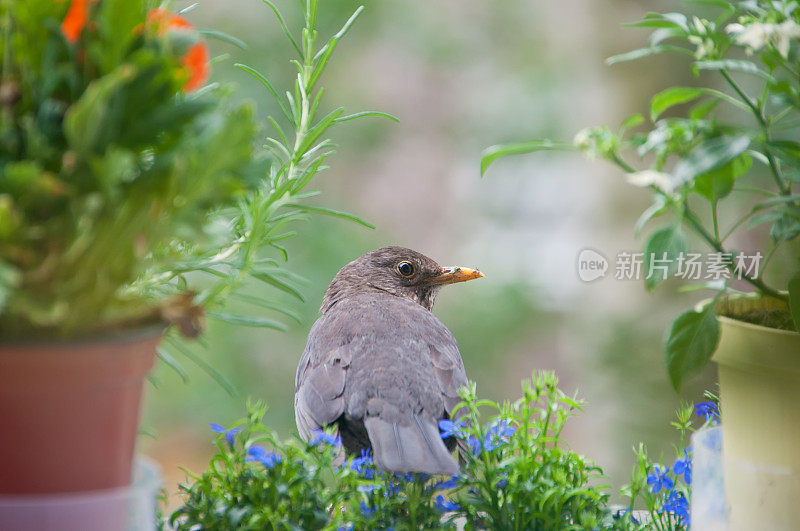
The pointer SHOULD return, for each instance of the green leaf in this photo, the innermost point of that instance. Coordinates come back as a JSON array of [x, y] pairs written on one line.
[[322, 57], [256, 74], [366, 113], [494, 153], [247, 320], [331, 212], [671, 97], [709, 156], [661, 255], [202, 364], [745, 67], [260, 302], [630, 122], [702, 109], [662, 20], [794, 300], [657, 208], [787, 150], [223, 37], [647, 52], [283, 27], [269, 278], [85, 121], [171, 363], [692, 340], [722, 4], [716, 184]]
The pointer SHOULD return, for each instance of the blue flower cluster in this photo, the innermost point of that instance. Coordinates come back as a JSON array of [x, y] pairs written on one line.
[[708, 411], [498, 433], [230, 434], [674, 500], [321, 436], [442, 505], [260, 454]]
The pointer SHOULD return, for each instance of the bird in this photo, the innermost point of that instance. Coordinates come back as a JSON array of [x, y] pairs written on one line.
[[379, 367]]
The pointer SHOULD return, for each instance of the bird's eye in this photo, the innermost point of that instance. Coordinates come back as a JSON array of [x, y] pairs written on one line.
[[405, 268]]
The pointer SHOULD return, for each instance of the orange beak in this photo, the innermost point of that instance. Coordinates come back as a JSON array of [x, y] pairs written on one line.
[[451, 275]]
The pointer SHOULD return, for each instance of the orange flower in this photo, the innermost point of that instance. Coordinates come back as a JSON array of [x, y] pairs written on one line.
[[75, 19], [196, 62], [164, 21]]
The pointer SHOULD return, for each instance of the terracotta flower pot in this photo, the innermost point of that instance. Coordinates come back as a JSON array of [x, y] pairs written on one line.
[[69, 412], [759, 375]]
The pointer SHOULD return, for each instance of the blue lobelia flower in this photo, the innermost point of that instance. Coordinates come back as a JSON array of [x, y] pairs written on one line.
[[475, 444], [676, 503], [321, 437], [622, 512], [366, 510], [683, 466], [498, 433], [708, 410], [363, 464], [658, 479], [447, 484], [261, 455], [442, 505], [229, 434], [448, 428]]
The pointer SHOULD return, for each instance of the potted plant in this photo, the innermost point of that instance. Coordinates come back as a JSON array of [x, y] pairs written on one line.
[[724, 168], [131, 202]]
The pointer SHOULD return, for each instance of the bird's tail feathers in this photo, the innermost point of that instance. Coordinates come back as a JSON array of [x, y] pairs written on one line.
[[413, 446]]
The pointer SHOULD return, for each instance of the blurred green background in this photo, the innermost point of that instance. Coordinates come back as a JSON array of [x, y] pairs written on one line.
[[461, 75]]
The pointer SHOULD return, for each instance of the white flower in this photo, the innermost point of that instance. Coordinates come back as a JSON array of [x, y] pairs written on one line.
[[785, 32], [662, 181], [758, 34]]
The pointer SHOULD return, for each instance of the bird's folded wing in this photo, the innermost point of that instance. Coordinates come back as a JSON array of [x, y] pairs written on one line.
[[450, 373], [318, 399]]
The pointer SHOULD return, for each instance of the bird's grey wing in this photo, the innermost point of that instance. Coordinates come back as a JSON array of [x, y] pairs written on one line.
[[448, 367], [319, 385]]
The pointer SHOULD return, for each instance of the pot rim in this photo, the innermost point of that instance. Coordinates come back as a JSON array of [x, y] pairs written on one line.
[[121, 336], [744, 324]]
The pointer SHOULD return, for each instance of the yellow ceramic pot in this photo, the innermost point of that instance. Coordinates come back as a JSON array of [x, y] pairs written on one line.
[[759, 375]]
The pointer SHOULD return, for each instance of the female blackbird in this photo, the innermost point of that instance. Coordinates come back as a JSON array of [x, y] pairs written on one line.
[[379, 366]]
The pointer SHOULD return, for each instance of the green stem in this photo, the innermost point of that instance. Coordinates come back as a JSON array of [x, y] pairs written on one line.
[[776, 172], [621, 163], [714, 220], [717, 246], [270, 204]]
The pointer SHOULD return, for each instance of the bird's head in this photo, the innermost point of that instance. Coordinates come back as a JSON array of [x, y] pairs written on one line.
[[397, 271]]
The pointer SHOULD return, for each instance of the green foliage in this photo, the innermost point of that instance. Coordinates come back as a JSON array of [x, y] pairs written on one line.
[[126, 195], [709, 144], [240, 492], [662, 490], [692, 341], [106, 162], [664, 244], [516, 473], [519, 473]]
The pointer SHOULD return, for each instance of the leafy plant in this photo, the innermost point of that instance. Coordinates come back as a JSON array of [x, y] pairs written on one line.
[[110, 159], [129, 192], [701, 155], [516, 473]]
